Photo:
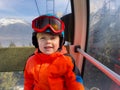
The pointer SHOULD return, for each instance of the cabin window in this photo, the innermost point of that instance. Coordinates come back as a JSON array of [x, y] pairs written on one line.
[[16, 35], [103, 43]]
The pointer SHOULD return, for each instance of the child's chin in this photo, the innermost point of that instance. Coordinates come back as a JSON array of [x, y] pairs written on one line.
[[48, 53]]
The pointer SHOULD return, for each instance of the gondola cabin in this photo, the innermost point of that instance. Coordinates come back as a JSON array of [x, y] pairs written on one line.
[[92, 37]]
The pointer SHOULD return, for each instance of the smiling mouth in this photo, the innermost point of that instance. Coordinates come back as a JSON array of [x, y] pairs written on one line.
[[48, 47]]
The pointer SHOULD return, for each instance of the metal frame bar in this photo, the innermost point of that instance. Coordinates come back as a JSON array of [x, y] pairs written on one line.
[[111, 74]]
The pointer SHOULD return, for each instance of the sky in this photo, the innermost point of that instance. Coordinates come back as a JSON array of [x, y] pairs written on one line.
[[26, 9]]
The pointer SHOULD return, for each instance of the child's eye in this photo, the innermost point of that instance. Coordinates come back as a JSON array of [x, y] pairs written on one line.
[[53, 37], [42, 38]]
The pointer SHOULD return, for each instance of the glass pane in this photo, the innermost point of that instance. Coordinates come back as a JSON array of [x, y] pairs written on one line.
[[103, 43], [16, 17], [16, 31], [11, 80]]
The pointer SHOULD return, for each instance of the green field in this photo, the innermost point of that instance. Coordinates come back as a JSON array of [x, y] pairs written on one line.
[[14, 59]]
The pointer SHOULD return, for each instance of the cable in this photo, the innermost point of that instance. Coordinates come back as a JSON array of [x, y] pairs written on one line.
[[66, 8], [37, 7]]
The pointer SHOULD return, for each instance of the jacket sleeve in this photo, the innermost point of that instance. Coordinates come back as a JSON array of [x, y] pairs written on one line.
[[71, 78], [75, 69], [28, 78], [64, 68]]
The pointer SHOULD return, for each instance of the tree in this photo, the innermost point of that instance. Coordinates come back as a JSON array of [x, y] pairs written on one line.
[[7, 80], [0, 45], [12, 44]]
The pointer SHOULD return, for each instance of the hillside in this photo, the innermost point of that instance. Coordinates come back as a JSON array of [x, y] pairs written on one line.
[[16, 31], [105, 27]]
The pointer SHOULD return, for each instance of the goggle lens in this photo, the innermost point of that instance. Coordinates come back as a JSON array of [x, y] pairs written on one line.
[[55, 24], [42, 23]]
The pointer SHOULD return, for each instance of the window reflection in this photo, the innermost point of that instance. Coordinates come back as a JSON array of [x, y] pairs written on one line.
[[103, 43], [15, 19], [16, 31]]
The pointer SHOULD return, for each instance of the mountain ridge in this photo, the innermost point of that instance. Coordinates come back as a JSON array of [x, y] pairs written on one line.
[[14, 30]]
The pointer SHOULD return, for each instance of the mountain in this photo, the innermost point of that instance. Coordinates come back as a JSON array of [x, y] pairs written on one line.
[[13, 30], [105, 28]]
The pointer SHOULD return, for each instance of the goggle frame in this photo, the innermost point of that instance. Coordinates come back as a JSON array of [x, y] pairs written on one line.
[[48, 25]]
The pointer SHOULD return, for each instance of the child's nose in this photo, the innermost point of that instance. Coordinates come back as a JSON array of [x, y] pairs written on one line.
[[48, 40]]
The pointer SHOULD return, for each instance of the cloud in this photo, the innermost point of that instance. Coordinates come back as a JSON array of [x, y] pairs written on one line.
[[27, 8], [17, 7], [7, 5]]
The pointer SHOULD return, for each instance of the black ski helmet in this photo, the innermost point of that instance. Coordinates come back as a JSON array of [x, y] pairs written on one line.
[[48, 30]]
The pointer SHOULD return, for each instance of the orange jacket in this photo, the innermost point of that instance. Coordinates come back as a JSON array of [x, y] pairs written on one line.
[[50, 72]]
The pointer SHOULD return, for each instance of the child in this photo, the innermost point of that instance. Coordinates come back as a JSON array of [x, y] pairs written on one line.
[[48, 68]]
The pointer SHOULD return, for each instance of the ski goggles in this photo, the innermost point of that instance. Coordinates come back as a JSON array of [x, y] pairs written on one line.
[[42, 23]]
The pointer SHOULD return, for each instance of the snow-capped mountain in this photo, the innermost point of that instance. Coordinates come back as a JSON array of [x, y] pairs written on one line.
[[104, 26], [13, 30], [7, 21]]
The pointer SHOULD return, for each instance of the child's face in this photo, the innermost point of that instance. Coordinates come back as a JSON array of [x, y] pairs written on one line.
[[48, 43]]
